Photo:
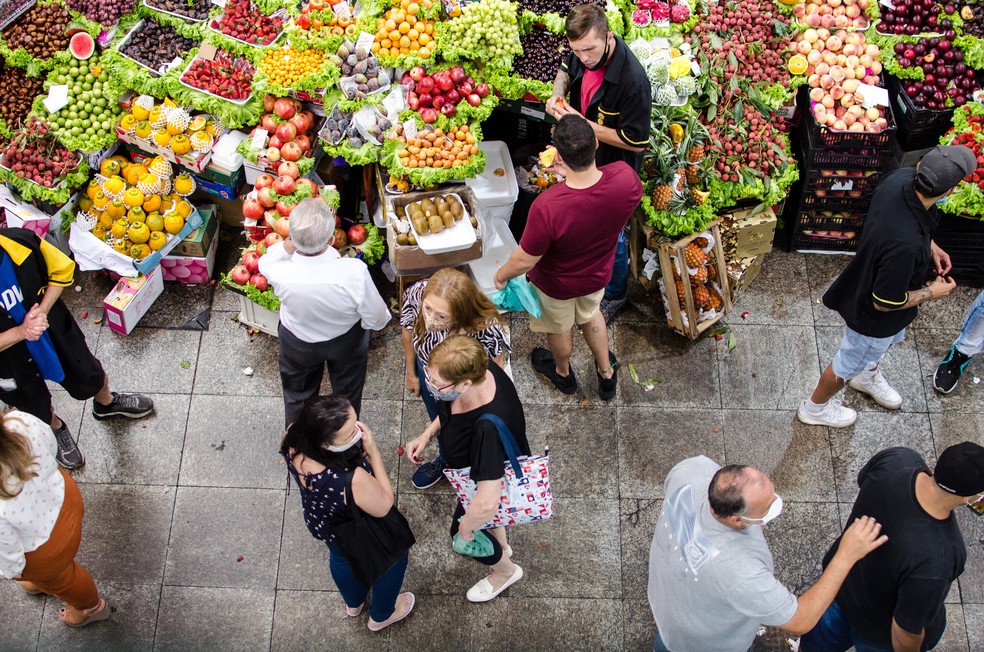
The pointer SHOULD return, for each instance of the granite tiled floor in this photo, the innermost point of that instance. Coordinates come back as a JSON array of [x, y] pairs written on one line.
[[194, 535]]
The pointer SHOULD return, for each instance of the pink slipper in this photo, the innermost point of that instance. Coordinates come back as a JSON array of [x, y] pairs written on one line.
[[353, 612], [404, 605]]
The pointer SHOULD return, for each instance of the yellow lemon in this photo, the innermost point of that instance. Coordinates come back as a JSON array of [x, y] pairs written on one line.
[[797, 64], [85, 203], [105, 222], [110, 167], [116, 209], [197, 123], [92, 189], [133, 173], [162, 138], [114, 185], [152, 203], [184, 184], [120, 227], [139, 251], [99, 232], [183, 208], [144, 129], [155, 222], [139, 113], [135, 214]]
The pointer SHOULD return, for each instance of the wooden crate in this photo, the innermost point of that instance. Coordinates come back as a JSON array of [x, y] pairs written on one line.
[[683, 317]]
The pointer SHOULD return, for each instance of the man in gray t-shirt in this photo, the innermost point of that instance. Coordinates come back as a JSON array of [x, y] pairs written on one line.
[[711, 580]]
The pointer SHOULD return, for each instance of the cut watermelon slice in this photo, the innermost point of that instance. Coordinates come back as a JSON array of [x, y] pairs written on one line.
[[82, 45], [74, 28]]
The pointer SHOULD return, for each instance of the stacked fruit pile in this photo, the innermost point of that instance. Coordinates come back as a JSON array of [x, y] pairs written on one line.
[[290, 134], [941, 79], [273, 199], [196, 10], [40, 31], [909, 17], [87, 122], [168, 125], [543, 52], [286, 67], [21, 93], [155, 46], [400, 32], [317, 19], [135, 208], [487, 31], [242, 21], [442, 91], [226, 76], [433, 148], [33, 154], [104, 12], [833, 14], [702, 276]]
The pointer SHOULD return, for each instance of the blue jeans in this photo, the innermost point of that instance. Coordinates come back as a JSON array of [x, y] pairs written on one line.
[[971, 340], [660, 646], [618, 286], [835, 634], [429, 402], [384, 591]]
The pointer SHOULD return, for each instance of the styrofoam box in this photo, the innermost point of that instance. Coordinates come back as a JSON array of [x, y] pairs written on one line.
[[191, 270], [498, 247], [130, 299], [496, 193], [258, 317]]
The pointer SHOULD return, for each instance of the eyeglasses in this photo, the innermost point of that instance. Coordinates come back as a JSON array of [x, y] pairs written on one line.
[[441, 389]]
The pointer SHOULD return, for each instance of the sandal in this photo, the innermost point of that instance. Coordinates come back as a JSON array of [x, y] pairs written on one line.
[[101, 611]]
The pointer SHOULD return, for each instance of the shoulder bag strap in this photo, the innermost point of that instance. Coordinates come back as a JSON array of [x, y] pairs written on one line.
[[507, 439], [350, 500]]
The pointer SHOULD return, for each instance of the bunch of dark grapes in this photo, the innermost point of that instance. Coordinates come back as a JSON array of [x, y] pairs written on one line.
[[194, 9], [8, 8], [154, 45], [560, 7], [543, 51], [104, 12]]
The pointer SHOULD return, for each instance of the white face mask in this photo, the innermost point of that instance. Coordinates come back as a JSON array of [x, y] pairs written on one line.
[[775, 509], [349, 444]]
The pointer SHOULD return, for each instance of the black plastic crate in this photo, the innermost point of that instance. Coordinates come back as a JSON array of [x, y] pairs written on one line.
[[828, 138], [806, 243], [835, 201], [834, 221], [817, 156], [971, 273], [915, 120], [820, 180]]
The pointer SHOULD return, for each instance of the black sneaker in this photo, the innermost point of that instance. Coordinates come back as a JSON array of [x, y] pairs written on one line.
[[68, 455], [133, 406], [428, 474], [606, 386], [611, 307], [543, 362], [950, 370]]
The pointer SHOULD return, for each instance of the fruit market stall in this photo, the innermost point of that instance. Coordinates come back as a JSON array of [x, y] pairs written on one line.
[[423, 123]]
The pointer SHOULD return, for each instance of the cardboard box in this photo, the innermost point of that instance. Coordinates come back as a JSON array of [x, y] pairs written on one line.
[[198, 241], [95, 159], [191, 270], [748, 233], [742, 272], [130, 300]]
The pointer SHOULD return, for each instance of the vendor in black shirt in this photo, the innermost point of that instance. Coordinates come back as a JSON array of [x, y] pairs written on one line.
[[893, 599], [609, 87], [878, 292], [460, 377]]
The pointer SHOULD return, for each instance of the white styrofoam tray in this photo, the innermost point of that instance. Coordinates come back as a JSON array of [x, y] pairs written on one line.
[[459, 236], [492, 190]]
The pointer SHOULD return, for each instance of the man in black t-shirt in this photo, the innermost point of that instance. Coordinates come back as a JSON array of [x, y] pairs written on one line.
[[892, 599], [878, 292]]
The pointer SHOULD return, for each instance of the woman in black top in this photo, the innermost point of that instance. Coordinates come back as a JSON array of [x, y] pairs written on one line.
[[460, 376], [323, 448]]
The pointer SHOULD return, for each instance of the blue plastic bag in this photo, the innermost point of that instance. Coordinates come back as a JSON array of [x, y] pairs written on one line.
[[518, 296]]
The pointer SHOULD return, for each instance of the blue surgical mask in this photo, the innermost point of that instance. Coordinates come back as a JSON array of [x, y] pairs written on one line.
[[774, 510], [447, 395]]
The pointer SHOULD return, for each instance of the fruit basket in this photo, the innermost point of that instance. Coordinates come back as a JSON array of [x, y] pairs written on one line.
[[61, 181], [241, 21], [166, 59], [33, 39], [827, 137], [458, 234], [210, 71], [915, 120], [835, 200], [194, 160], [11, 10], [195, 11], [816, 155]]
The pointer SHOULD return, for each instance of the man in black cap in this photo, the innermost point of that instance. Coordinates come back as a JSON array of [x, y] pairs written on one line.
[[878, 292], [893, 598]]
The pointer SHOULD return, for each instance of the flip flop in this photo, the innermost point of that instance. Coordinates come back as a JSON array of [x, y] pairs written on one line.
[[102, 611]]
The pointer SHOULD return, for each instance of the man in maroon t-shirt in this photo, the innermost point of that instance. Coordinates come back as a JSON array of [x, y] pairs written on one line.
[[568, 249]]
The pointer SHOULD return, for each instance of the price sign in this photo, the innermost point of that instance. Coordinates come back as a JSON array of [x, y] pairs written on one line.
[[57, 98], [259, 139], [410, 129], [365, 40]]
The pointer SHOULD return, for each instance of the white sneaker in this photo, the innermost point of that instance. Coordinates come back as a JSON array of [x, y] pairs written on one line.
[[879, 389], [833, 415]]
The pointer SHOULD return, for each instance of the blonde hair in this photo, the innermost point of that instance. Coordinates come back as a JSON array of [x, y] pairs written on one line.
[[470, 309], [16, 459], [460, 358]]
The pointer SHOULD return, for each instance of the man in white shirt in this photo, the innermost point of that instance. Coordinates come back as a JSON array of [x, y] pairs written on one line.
[[328, 305], [711, 581]]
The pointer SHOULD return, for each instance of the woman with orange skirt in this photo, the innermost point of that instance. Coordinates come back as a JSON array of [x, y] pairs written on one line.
[[41, 521]]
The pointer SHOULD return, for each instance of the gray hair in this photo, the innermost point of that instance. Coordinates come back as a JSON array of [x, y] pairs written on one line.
[[312, 223]]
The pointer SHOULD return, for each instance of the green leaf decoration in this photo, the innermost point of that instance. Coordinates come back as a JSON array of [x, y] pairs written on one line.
[[267, 299]]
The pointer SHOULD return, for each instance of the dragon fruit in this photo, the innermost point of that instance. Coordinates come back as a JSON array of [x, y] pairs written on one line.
[[641, 17], [679, 13], [661, 12], [646, 4]]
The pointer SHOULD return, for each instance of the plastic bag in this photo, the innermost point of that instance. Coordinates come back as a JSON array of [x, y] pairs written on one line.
[[480, 546], [518, 296]]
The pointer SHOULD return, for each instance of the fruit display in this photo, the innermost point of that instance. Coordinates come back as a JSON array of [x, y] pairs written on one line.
[[226, 76], [431, 216], [167, 125], [22, 90], [968, 130], [242, 21], [196, 10], [402, 32], [559, 7], [670, 73], [286, 67], [87, 122], [543, 52], [136, 219], [318, 19], [938, 78], [245, 276], [290, 135], [155, 46], [695, 265], [40, 31], [433, 148], [362, 75], [104, 12], [833, 14], [441, 92], [487, 30], [539, 176], [11, 9], [909, 17], [972, 17], [33, 155], [655, 12], [268, 206]]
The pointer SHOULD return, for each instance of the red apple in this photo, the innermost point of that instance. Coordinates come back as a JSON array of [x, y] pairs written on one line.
[[357, 234], [260, 282], [417, 73], [291, 151], [263, 196], [445, 83], [251, 261], [288, 169], [474, 99], [340, 239], [263, 181], [482, 90], [408, 82], [428, 115], [282, 227], [452, 96], [458, 75], [284, 209], [284, 185], [284, 108], [425, 85], [425, 100], [465, 89], [470, 80], [448, 109], [286, 131], [252, 209], [240, 274], [413, 102], [438, 101], [272, 239]]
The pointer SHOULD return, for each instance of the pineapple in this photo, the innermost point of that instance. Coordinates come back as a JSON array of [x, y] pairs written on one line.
[[697, 137], [699, 196], [700, 277], [662, 193], [681, 293], [681, 203], [694, 256], [716, 301], [702, 298], [702, 242]]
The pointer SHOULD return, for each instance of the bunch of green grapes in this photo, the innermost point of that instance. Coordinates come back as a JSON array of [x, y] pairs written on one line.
[[487, 30]]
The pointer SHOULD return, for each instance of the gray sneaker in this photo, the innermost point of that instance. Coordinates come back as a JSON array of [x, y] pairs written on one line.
[[132, 406], [68, 455], [611, 307]]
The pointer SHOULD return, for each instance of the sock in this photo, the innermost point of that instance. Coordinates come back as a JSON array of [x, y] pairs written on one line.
[[813, 408]]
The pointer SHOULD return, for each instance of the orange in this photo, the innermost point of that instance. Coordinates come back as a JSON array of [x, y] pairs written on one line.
[[797, 64]]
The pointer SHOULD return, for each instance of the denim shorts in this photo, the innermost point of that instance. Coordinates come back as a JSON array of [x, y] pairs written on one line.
[[858, 352]]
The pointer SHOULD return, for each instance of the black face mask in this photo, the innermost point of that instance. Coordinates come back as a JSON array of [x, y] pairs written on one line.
[[603, 60]]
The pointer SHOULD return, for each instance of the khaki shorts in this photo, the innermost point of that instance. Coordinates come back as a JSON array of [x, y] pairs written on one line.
[[560, 314]]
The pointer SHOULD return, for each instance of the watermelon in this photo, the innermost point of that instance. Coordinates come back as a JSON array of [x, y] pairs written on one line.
[[82, 45], [74, 28]]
